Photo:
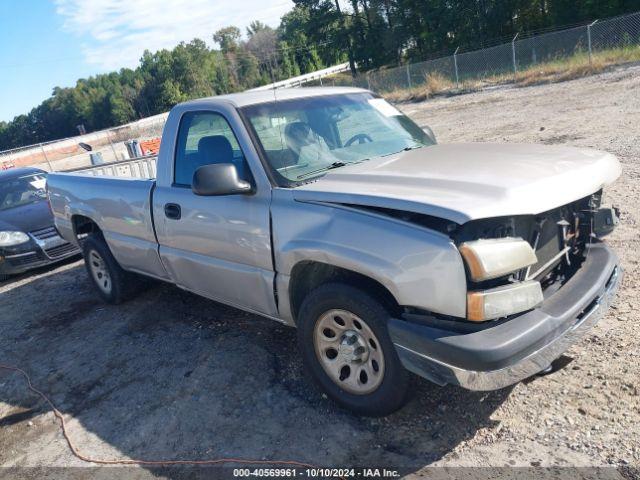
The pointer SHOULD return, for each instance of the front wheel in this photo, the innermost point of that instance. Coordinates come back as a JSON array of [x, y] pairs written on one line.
[[345, 344]]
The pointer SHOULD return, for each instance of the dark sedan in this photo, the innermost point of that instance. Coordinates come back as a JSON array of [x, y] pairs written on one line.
[[28, 238]]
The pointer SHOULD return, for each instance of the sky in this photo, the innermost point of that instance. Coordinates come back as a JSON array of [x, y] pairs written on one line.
[[49, 43]]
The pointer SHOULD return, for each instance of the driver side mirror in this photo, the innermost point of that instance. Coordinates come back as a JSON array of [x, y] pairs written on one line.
[[219, 179]]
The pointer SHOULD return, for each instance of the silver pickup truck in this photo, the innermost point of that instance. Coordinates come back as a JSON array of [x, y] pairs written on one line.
[[328, 209]]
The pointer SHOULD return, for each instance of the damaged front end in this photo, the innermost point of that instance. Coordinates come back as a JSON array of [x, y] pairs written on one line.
[[558, 238], [518, 322], [513, 263]]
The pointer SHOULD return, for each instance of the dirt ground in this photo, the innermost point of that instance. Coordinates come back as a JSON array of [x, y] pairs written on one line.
[[170, 375]]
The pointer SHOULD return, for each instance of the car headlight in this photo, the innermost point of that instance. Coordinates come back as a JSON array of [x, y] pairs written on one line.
[[493, 258], [503, 301], [8, 239]]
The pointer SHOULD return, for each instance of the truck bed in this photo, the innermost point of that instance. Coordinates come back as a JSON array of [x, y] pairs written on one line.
[[119, 205], [143, 167]]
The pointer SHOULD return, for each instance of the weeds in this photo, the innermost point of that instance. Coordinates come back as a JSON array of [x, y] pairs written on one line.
[[576, 66]]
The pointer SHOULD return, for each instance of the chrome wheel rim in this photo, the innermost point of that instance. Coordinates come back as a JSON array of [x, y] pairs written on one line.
[[349, 351], [99, 272]]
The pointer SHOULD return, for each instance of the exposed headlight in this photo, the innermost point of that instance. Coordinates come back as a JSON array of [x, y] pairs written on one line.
[[487, 259], [503, 301], [8, 239]]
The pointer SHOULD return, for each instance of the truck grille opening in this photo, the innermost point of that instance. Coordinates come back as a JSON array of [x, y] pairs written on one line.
[[549, 241], [558, 237]]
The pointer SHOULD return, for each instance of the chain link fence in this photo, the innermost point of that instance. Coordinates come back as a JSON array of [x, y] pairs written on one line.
[[106, 146], [615, 38]]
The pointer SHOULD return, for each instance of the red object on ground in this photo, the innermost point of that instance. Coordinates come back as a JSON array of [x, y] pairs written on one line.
[[151, 146]]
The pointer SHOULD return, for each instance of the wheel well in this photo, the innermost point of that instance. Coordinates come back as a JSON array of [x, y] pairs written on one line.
[[83, 226], [306, 276]]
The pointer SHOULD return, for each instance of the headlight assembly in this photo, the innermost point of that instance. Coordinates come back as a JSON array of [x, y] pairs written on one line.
[[503, 301], [8, 239], [493, 258]]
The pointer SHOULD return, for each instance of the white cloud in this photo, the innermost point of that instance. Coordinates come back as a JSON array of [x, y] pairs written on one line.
[[115, 33]]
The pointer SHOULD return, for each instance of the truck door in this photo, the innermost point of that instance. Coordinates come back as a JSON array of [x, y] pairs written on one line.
[[216, 246]]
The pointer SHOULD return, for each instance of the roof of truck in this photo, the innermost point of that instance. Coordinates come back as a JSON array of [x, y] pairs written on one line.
[[252, 97]]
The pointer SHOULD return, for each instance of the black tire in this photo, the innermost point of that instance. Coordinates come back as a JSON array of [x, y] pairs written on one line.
[[123, 284], [391, 393]]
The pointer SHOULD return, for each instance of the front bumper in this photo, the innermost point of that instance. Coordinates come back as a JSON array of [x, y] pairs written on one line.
[[34, 254], [504, 353]]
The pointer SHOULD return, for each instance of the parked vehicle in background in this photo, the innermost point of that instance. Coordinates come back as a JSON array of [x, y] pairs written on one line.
[[329, 210], [28, 237]]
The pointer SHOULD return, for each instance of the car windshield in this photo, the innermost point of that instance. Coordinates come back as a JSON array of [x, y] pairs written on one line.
[[305, 137], [18, 191]]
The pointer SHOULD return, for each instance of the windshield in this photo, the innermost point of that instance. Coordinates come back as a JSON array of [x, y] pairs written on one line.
[[305, 137], [18, 191]]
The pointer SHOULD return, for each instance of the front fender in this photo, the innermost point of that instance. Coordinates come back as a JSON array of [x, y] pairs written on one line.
[[343, 256], [421, 268]]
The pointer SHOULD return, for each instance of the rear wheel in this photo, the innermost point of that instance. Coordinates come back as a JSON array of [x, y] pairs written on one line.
[[112, 282], [99, 272], [345, 344]]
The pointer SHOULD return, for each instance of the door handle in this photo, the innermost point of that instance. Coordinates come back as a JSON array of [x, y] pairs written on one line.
[[173, 211]]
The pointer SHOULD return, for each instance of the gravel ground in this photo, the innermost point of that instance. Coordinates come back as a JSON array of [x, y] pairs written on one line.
[[170, 375]]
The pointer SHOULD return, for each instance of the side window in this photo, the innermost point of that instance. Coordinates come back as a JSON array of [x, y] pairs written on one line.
[[205, 138]]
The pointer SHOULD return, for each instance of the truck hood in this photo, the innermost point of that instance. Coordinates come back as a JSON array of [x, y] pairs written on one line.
[[462, 182]]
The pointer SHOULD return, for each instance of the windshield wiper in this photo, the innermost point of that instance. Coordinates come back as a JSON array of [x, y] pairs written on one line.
[[405, 149], [336, 164], [413, 147]]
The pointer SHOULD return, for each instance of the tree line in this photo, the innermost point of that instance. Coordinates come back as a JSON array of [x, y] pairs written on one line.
[[314, 34]]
